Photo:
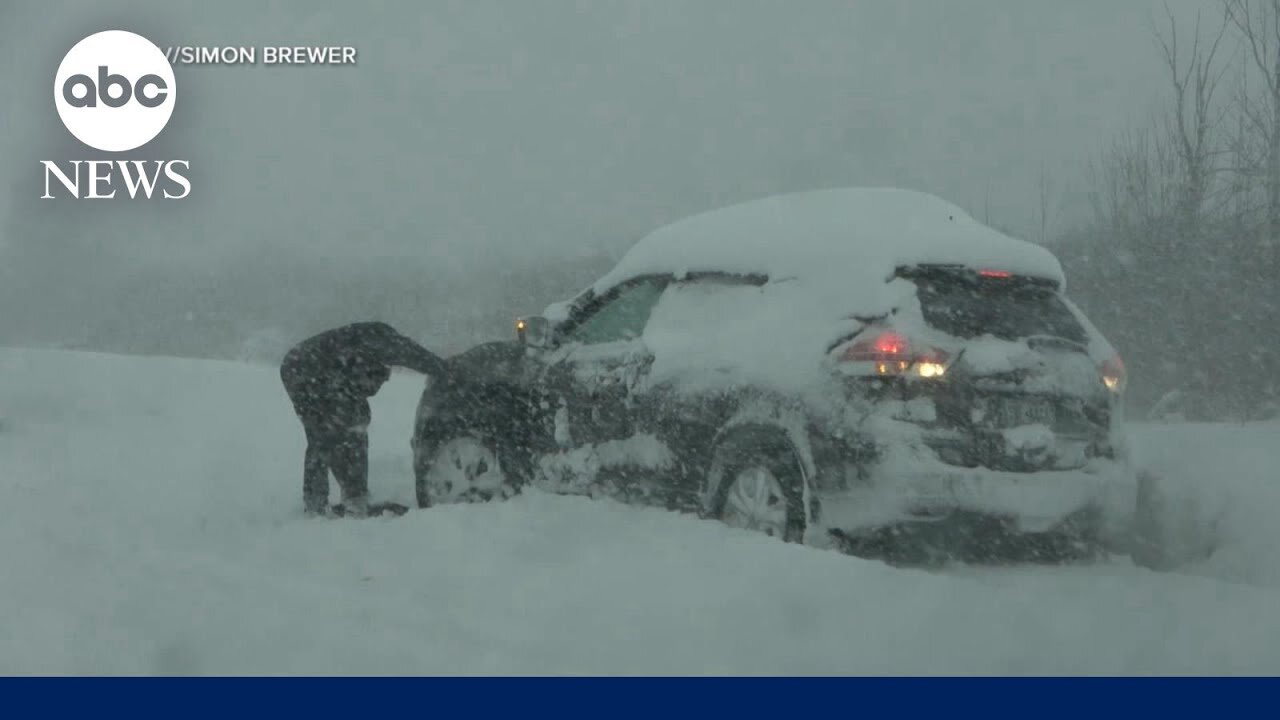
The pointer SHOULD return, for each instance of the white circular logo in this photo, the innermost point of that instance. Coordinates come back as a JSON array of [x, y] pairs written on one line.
[[114, 90]]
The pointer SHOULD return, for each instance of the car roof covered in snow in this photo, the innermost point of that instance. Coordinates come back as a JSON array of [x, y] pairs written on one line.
[[860, 234]]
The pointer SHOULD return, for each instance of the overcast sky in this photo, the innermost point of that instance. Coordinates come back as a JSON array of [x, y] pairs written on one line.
[[481, 134]]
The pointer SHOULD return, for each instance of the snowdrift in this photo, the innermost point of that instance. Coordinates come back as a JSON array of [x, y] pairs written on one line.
[[152, 526], [1218, 489]]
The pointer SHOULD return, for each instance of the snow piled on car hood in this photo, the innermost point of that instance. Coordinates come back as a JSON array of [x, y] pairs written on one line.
[[856, 236]]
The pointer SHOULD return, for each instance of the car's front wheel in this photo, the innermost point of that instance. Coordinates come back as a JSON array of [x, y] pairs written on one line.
[[464, 468]]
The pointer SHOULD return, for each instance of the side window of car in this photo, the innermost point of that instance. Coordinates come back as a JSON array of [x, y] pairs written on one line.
[[622, 316]]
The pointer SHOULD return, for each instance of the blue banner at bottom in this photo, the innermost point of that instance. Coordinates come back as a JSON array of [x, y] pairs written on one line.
[[560, 697]]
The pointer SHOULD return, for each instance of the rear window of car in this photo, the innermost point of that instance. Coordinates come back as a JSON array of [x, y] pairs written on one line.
[[966, 305]]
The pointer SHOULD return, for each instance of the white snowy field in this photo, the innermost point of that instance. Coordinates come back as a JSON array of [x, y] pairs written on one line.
[[149, 523]]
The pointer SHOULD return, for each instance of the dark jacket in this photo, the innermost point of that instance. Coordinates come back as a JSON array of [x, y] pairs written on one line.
[[353, 361]]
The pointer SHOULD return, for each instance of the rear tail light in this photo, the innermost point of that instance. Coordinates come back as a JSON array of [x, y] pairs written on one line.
[[889, 352], [887, 346], [1113, 374]]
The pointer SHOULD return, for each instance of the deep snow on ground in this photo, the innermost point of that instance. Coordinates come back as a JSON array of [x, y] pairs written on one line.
[[151, 525], [1224, 485]]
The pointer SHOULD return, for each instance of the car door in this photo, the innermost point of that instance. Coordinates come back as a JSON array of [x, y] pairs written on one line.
[[590, 377]]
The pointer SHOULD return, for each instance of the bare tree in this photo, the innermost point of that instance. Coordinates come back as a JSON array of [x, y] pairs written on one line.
[[1136, 187], [1258, 24], [1194, 118], [1191, 200]]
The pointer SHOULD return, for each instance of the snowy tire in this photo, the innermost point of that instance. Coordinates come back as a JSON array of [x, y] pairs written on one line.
[[464, 468], [758, 484]]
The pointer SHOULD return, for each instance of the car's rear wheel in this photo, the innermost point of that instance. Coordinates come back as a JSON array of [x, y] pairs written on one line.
[[760, 487], [463, 469]]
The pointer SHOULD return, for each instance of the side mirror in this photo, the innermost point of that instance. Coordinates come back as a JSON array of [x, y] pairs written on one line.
[[534, 331]]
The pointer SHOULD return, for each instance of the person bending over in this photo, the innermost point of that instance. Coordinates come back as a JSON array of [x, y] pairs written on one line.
[[330, 378]]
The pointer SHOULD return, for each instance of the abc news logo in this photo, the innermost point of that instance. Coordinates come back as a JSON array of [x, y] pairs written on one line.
[[92, 93], [115, 92]]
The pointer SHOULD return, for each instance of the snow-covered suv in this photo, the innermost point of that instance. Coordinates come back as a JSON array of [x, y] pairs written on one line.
[[848, 363]]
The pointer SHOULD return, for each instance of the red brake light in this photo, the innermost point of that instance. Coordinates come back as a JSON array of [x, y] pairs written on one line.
[[1113, 374], [995, 273], [890, 353], [888, 346]]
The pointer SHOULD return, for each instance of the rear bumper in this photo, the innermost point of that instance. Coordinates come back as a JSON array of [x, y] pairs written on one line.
[[1028, 502]]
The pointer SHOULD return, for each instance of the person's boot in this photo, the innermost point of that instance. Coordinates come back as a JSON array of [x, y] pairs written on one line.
[[356, 507]]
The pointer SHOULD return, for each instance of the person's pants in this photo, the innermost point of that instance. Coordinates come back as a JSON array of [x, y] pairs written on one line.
[[334, 445], [336, 426]]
